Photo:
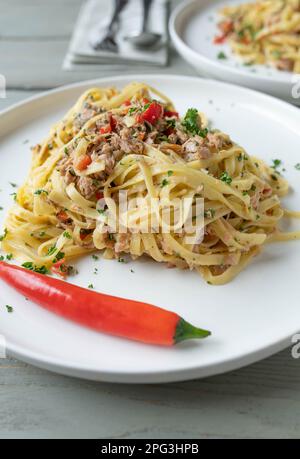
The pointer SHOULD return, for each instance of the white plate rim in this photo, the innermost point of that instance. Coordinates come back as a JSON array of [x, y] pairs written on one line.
[[218, 367]]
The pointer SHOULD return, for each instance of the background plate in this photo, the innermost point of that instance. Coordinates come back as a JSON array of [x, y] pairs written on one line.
[[193, 26], [251, 318]]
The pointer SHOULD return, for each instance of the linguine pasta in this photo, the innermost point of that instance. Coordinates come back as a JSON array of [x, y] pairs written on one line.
[[264, 32], [127, 141]]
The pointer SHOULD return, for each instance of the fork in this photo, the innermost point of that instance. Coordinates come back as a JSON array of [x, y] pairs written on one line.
[[108, 42]]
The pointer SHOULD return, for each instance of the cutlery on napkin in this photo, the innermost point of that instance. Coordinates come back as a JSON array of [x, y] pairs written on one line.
[[96, 14]]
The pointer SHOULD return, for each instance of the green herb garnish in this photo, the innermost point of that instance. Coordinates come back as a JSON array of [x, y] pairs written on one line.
[[39, 192], [225, 177], [37, 269], [191, 123], [222, 55], [165, 182], [3, 236]]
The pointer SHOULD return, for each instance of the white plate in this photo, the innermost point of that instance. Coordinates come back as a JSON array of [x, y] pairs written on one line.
[[251, 318], [193, 26]]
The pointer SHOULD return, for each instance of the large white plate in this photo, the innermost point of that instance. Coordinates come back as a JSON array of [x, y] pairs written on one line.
[[251, 318], [193, 26]]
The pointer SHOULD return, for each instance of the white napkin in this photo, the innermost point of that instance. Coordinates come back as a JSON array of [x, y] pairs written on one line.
[[96, 14]]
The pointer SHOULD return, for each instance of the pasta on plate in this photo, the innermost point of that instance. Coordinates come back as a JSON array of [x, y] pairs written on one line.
[[264, 32], [134, 141]]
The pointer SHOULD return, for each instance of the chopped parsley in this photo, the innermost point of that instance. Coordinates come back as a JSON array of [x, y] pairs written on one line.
[[51, 250], [91, 286], [165, 182], [59, 256], [9, 308], [242, 157], [14, 185], [225, 177], [121, 260], [191, 123], [1, 257], [170, 173], [132, 110], [222, 55], [209, 213], [95, 257], [67, 235], [276, 163], [3, 236], [14, 195], [37, 269], [9, 256], [273, 177], [39, 192], [297, 166]]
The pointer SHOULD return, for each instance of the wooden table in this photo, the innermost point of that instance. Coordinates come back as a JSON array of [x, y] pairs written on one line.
[[259, 401]]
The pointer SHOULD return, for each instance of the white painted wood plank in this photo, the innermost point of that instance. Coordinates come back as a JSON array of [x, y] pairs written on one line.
[[41, 19], [260, 401], [42, 66]]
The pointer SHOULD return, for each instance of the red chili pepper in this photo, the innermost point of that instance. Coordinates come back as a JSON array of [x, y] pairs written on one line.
[[104, 313], [151, 114], [170, 114]]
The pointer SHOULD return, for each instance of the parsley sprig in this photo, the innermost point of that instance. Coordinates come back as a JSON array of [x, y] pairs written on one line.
[[191, 123]]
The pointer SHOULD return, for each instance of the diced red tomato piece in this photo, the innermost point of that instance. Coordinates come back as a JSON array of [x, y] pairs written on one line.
[[56, 268], [226, 27], [83, 162], [169, 131], [112, 122], [169, 114], [153, 113], [99, 195], [127, 102], [84, 233], [63, 216], [220, 39], [105, 129]]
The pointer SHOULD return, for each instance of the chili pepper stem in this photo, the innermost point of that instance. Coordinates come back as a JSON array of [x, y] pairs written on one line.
[[185, 330]]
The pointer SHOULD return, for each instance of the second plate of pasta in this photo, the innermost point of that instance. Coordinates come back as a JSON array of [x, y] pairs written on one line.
[[252, 43]]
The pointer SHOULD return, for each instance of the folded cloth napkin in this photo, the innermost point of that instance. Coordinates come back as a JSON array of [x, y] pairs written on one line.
[[95, 15]]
